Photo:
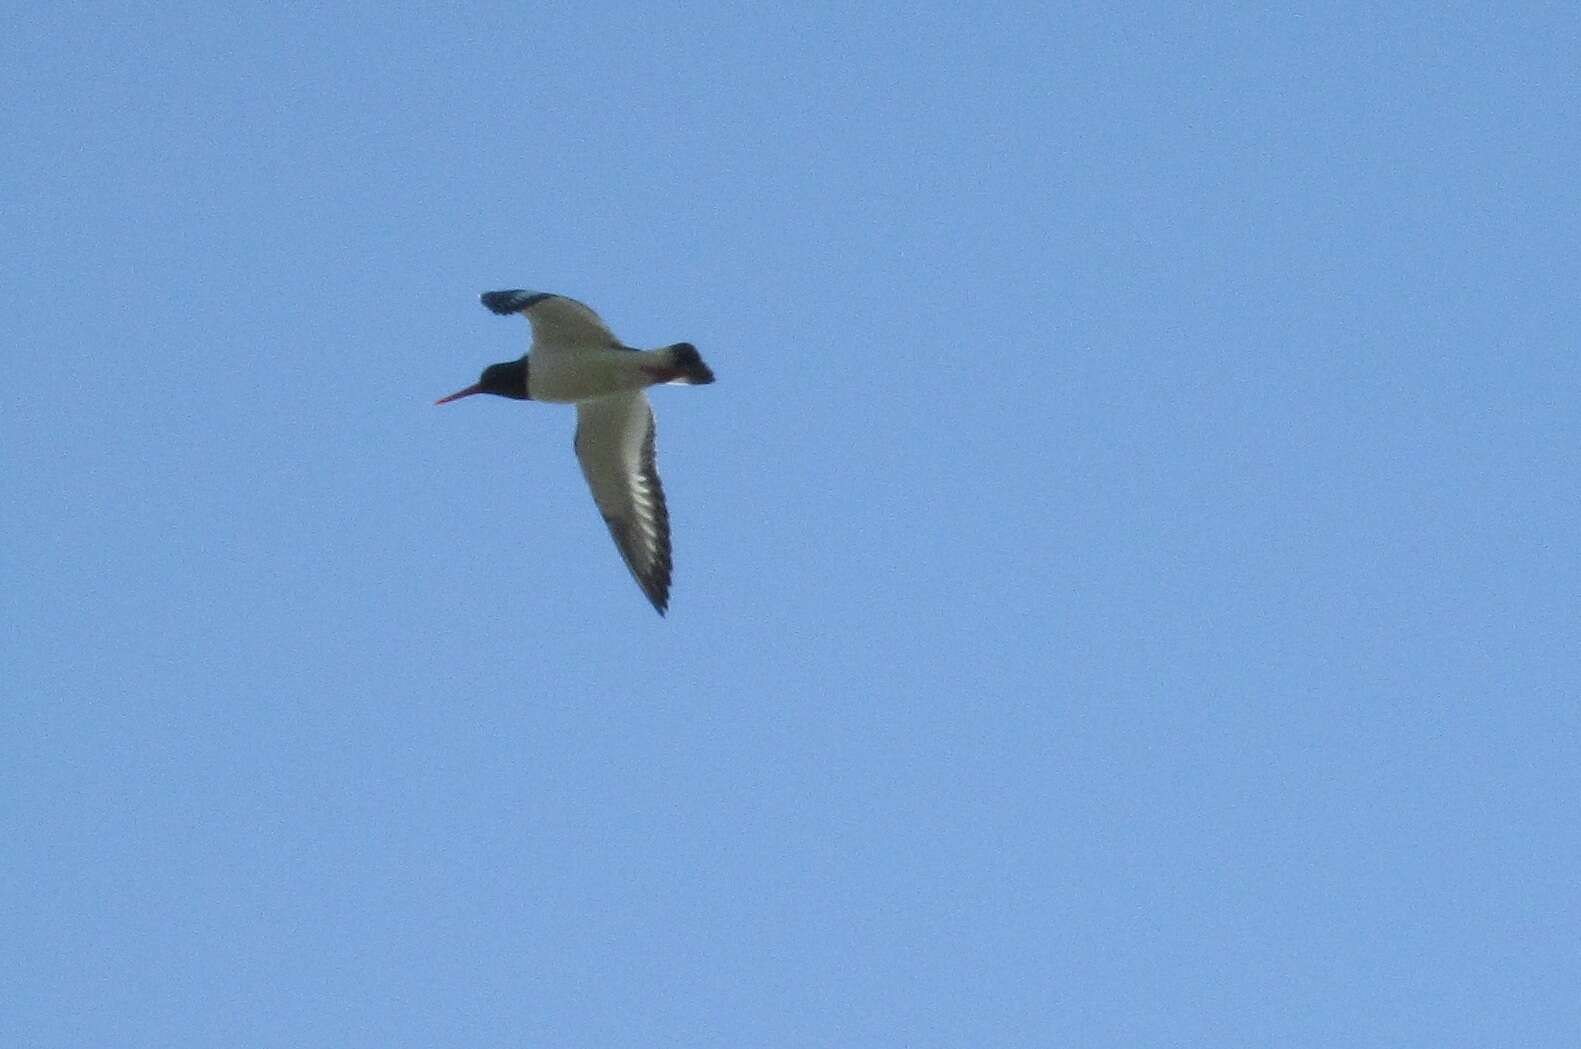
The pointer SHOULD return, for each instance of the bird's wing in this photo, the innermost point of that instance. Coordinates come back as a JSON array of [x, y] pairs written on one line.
[[614, 444], [559, 324]]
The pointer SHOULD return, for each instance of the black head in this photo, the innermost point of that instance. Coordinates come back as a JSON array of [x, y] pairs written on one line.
[[503, 380]]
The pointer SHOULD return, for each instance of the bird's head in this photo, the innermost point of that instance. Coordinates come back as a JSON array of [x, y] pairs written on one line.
[[508, 379]]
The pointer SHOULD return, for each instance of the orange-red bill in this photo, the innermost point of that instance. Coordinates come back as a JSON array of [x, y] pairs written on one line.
[[468, 392]]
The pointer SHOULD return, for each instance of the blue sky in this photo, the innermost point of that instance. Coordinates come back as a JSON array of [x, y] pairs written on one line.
[[1126, 589]]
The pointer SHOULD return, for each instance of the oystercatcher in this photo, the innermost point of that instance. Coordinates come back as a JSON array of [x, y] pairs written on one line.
[[576, 359]]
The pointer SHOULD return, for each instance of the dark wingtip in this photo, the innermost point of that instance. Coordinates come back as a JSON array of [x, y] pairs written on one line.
[[658, 595], [512, 301], [499, 301], [658, 591]]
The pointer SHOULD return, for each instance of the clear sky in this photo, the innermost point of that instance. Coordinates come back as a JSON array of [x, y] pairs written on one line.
[[1126, 584]]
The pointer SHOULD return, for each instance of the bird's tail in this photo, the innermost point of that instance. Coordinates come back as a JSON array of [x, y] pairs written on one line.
[[684, 364]]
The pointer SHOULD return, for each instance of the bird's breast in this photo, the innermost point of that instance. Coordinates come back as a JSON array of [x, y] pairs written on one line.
[[584, 376]]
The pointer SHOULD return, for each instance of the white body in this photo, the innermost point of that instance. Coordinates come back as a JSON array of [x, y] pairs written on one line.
[[565, 378], [576, 359]]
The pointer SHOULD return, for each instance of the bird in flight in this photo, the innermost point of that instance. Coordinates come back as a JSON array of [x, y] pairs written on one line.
[[576, 359]]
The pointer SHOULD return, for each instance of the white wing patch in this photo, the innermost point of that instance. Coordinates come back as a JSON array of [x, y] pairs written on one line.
[[563, 325], [614, 444], [558, 324]]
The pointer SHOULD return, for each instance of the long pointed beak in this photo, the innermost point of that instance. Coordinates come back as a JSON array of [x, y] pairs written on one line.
[[468, 392]]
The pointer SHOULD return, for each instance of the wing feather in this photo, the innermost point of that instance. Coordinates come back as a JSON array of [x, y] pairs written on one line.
[[559, 324], [615, 445]]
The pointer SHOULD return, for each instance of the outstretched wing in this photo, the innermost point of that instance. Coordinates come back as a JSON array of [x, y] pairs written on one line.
[[614, 444], [559, 324]]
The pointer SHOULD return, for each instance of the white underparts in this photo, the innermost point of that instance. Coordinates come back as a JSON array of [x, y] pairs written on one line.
[[585, 375]]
